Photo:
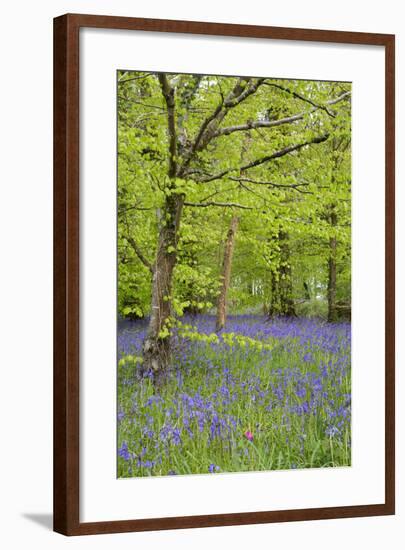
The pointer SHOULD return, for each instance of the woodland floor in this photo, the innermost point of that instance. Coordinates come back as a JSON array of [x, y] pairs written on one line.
[[266, 395]]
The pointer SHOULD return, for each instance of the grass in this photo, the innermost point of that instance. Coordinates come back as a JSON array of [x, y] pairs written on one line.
[[234, 408]]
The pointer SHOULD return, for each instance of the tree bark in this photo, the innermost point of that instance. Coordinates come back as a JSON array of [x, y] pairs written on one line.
[[156, 346], [226, 273], [332, 309], [282, 303]]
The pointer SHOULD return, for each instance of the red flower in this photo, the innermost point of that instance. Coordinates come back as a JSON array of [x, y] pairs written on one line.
[[249, 435]]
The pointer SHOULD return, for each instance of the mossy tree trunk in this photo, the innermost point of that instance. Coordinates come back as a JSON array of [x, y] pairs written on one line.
[[226, 273], [332, 309], [282, 303]]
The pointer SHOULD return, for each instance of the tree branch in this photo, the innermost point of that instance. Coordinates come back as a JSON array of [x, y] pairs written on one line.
[[287, 120], [295, 186], [218, 114], [264, 199], [285, 151], [139, 253], [168, 94], [267, 158], [187, 94], [219, 192], [338, 99], [148, 105], [299, 96], [260, 124], [122, 80], [222, 204], [243, 88]]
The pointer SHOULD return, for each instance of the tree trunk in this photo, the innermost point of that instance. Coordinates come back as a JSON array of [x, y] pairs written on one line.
[[332, 309], [307, 291], [226, 273], [157, 345], [282, 303]]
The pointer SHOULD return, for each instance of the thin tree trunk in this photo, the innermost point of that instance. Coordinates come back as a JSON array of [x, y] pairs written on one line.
[[307, 291], [226, 273], [332, 310], [157, 345]]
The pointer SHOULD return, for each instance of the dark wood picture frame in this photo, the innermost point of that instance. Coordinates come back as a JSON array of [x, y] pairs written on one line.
[[66, 273]]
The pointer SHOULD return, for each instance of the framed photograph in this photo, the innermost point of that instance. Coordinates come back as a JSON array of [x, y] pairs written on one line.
[[223, 274]]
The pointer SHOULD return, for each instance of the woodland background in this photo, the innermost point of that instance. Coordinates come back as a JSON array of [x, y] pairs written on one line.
[[234, 193]]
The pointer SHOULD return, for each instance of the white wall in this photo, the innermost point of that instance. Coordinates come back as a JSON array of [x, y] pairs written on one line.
[[26, 273]]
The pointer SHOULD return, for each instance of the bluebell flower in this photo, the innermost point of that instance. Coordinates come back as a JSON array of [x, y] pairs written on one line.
[[123, 451], [331, 431]]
